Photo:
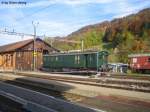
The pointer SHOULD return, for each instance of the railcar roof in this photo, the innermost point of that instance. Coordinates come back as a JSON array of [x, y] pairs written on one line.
[[138, 55], [73, 53]]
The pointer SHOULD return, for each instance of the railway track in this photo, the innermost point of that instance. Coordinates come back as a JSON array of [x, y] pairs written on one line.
[[107, 75], [110, 82], [44, 89], [128, 76], [35, 100], [75, 98], [12, 103]]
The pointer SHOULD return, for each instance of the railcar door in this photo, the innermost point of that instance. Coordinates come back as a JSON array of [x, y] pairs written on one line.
[[86, 60], [103, 60]]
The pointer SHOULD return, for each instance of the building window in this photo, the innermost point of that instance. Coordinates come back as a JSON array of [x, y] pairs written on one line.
[[19, 54], [45, 51], [7, 60], [9, 57], [11, 60]]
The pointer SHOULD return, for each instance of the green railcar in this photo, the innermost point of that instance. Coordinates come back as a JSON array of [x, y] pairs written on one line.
[[80, 60]]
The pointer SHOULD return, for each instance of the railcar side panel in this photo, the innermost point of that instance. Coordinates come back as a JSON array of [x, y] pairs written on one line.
[[91, 60], [142, 62], [103, 59]]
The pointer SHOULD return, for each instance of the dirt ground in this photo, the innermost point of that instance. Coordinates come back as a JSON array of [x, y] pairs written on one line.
[[117, 104]]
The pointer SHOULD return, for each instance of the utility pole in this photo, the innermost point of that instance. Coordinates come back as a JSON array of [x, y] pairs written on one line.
[[51, 41], [82, 45], [34, 45]]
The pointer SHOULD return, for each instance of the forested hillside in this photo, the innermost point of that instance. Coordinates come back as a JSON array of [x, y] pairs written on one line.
[[122, 36]]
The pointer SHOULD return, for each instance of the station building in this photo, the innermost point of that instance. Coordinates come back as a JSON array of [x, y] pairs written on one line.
[[20, 55]]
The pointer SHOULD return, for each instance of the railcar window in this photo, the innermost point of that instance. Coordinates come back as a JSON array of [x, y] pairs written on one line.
[[134, 60], [56, 58], [90, 59], [77, 59], [149, 59], [104, 57], [51, 59]]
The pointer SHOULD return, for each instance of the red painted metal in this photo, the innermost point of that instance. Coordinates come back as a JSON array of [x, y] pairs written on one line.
[[140, 62]]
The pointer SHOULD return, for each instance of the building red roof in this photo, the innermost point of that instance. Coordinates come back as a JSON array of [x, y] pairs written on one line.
[[17, 45]]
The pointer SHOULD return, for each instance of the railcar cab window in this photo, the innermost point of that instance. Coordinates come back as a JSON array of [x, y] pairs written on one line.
[[104, 57]]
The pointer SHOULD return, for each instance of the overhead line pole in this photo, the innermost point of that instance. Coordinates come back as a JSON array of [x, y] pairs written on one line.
[[82, 45], [34, 46]]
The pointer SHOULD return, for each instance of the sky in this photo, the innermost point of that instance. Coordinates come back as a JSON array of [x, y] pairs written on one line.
[[60, 17]]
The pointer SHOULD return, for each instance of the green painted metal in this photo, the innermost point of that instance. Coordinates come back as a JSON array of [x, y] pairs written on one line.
[[93, 60], [97, 60]]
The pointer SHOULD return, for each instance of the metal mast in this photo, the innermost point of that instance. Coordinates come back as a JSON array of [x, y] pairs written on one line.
[[34, 45]]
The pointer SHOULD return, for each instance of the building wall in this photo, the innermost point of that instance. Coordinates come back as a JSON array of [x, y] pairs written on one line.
[[7, 61], [22, 58], [1, 61]]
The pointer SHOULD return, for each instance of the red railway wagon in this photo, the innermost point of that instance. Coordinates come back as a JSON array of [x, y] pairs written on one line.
[[140, 62]]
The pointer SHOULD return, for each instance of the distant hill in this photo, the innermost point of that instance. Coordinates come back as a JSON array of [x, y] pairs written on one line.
[[120, 36]]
